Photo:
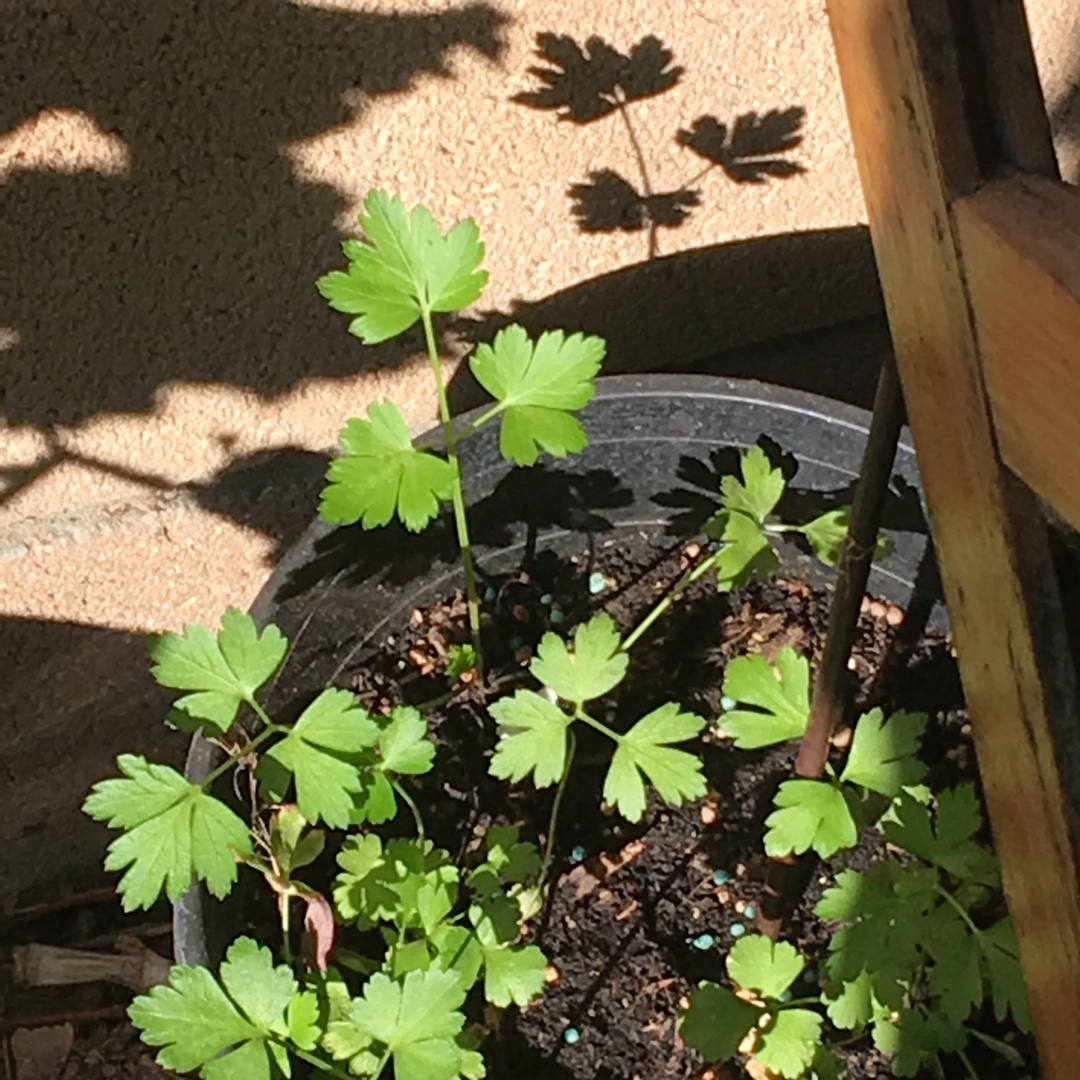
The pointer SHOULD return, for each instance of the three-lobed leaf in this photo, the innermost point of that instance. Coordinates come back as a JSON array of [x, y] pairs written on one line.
[[675, 774], [760, 488], [229, 1030], [174, 831], [746, 550], [716, 1021], [883, 752], [594, 667], [381, 473], [788, 1045], [779, 692], [539, 385], [316, 752], [768, 967], [532, 739], [414, 1020], [809, 814], [221, 671], [404, 270]]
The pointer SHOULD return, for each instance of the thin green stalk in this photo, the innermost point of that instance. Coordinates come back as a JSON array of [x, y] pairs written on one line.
[[465, 431], [968, 1065], [408, 800], [695, 573], [549, 850], [284, 904], [383, 1062], [960, 910], [311, 1059], [602, 728], [457, 493]]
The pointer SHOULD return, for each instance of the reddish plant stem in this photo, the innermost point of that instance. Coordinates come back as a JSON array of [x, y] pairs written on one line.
[[789, 877]]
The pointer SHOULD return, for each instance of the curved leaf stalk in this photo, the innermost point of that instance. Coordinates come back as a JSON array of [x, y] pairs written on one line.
[[461, 521], [669, 599], [549, 850]]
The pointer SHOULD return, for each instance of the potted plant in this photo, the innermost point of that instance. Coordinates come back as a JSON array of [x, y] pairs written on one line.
[[488, 786]]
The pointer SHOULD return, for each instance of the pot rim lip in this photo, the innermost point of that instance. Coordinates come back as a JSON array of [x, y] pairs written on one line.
[[188, 913]]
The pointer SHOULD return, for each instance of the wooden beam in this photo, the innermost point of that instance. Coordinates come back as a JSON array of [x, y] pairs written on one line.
[[1020, 244], [909, 121]]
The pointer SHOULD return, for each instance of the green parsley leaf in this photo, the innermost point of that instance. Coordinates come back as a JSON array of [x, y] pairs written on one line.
[[760, 489], [809, 814], [883, 752], [951, 844], [956, 979], [316, 751], [226, 1033], [532, 738], [889, 914], [747, 550], [513, 975], [415, 1020], [404, 745], [539, 385], [852, 1005], [222, 670], [173, 831], [404, 269], [789, 1044], [594, 668], [717, 1021], [675, 774], [765, 966], [513, 860], [380, 472], [1002, 965], [408, 883], [915, 1038], [827, 1066], [780, 693]]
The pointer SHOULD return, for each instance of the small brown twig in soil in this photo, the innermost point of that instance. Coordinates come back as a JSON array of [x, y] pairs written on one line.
[[103, 895], [789, 877]]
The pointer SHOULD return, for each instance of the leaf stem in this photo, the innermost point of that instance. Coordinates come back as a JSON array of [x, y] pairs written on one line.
[[549, 849], [457, 493], [666, 602], [383, 1061], [410, 802], [580, 714], [960, 910], [284, 905], [234, 759], [311, 1059], [480, 421]]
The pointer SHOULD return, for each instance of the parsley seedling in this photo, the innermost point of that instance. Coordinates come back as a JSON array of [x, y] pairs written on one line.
[[404, 271]]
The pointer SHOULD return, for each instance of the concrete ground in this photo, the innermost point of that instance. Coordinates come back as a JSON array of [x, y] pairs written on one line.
[[175, 175]]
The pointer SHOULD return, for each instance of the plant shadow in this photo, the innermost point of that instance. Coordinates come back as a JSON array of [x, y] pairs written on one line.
[[157, 256]]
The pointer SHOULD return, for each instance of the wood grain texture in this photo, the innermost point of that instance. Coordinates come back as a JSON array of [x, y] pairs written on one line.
[[1020, 242], [906, 107]]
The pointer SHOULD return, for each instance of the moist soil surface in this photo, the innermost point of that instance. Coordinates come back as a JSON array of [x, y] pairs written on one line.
[[635, 915]]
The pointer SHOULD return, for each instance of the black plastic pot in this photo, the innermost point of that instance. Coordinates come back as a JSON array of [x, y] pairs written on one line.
[[657, 444]]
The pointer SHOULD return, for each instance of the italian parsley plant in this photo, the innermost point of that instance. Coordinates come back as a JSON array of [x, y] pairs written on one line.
[[444, 927], [919, 946], [404, 271]]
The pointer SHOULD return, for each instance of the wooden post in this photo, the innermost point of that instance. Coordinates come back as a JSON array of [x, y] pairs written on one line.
[[924, 97]]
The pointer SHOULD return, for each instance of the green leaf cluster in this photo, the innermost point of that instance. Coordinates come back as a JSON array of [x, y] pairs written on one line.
[[745, 528], [784, 1038], [403, 271], [914, 954], [826, 815], [534, 728]]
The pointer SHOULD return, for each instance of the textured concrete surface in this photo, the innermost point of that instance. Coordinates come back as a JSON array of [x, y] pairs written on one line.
[[175, 175]]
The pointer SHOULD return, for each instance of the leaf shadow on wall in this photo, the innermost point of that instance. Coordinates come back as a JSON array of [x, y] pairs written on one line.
[[585, 83]]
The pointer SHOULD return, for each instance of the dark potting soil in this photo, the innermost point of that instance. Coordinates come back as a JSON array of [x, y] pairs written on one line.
[[631, 926]]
